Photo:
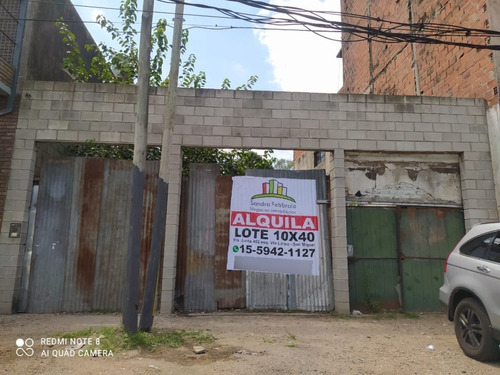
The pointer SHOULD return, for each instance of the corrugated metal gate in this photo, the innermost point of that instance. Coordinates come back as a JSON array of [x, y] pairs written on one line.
[[81, 230], [203, 283], [296, 292], [399, 254]]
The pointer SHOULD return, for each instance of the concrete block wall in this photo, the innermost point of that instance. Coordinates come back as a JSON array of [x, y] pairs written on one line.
[[69, 112]]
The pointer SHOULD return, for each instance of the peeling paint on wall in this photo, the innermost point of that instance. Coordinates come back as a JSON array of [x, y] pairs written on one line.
[[403, 178]]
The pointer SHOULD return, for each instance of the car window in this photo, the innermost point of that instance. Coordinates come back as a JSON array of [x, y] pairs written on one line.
[[478, 246], [494, 253]]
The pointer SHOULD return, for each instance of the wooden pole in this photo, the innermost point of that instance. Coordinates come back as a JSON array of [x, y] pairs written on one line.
[[146, 322], [131, 285]]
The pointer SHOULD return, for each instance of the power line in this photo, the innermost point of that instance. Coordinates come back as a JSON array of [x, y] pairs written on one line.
[[386, 31], [300, 19]]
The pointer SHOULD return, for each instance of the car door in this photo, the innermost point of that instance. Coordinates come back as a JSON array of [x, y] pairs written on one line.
[[490, 269]]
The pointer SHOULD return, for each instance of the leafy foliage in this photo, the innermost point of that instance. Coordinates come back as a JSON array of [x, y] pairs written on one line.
[[232, 162], [283, 164], [90, 149], [120, 66]]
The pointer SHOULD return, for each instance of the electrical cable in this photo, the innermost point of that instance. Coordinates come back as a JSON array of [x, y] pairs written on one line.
[[292, 18]]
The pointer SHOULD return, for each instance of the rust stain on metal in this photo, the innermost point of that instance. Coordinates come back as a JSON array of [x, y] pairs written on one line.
[[89, 226], [229, 285], [180, 278], [149, 202]]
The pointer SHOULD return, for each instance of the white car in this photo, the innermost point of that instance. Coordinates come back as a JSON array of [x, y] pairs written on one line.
[[471, 291]]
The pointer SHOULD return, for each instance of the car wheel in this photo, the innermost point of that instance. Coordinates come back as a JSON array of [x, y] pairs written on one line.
[[472, 328]]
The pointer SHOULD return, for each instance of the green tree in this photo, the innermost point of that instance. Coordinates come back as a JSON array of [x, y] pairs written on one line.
[[283, 164], [120, 66], [232, 162]]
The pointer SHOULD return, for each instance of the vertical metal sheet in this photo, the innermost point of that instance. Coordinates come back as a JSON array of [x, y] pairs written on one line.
[[148, 210], [373, 270], [309, 293], [427, 235], [25, 278], [94, 215], [200, 272], [113, 230], [180, 272], [74, 298], [229, 285], [51, 237], [399, 255]]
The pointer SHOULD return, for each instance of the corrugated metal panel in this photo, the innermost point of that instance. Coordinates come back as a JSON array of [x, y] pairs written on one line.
[[229, 285], [113, 232], [200, 273], [373, 271], [148, 210], [25, 278], [51, 237], [94, 215], [180, 273], [77, 286], [309, 293], [427, 235], [399, 254], [266, 291]]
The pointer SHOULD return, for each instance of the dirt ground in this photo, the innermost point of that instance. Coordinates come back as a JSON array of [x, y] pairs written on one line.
[[253, 343]]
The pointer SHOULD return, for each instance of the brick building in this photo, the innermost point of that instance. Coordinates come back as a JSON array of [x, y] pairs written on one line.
[[425, 69]]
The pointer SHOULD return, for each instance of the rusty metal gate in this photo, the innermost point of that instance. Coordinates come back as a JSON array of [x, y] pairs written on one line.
[[203, 283], [397, 255], [81, 229]]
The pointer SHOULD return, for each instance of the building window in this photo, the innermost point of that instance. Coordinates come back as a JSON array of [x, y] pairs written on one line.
[[319, 157]]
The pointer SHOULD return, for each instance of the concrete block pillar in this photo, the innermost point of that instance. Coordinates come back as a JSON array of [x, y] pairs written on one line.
[[339, 233]]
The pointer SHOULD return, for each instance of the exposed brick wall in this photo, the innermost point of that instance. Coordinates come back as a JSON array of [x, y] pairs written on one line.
[[8, 125], [442, 70]]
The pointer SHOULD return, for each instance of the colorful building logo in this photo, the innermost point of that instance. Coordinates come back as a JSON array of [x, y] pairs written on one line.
[[273, 189]]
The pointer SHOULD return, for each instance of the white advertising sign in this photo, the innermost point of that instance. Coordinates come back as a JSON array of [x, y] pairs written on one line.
[[274, 226]]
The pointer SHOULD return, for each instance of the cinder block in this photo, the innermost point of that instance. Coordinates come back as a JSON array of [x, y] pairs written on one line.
[[240, 131], [221, 130], [46, 135], [249, 142], [271, 143], [234, 142], [66, 135], [367, 145], [290, 143], [212, 141], [309, 144]]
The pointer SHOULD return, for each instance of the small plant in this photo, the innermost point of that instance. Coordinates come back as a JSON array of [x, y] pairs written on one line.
[[268, 340], [411, 315], [115, 339], [340, 315], [292, 345], [381, 316], [291, 335]]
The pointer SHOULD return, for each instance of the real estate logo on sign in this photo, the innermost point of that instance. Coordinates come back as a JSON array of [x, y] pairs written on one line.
[[274, 226]]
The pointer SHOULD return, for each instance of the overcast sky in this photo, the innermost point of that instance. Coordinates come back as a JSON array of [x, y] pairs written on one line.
[[283, 60]]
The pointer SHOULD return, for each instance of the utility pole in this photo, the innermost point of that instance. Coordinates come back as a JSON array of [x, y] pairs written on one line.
[[131, 285], [172, 91], [159, 222]]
